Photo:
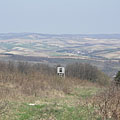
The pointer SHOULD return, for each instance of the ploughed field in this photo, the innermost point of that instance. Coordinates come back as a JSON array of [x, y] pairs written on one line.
[[103, 46]]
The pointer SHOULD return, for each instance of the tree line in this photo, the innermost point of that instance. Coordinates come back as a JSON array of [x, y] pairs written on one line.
[[82, 71]]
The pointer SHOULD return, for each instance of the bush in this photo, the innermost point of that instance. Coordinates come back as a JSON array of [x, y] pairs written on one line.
[[117, 78], [86, 72], [33, 79], [107, 104]]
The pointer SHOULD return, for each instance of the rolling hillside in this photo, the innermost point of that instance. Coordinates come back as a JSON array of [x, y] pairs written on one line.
[[104, 46]]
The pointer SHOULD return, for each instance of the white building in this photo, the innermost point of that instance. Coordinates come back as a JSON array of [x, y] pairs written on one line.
[[61, 71]]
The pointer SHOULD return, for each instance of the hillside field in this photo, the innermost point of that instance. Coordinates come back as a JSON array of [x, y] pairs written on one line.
[[101, 46]]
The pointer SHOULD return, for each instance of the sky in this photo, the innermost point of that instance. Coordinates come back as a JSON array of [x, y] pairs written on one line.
[[60, 16]]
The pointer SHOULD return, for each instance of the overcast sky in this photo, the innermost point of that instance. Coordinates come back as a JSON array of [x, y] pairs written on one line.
[[60, 16]]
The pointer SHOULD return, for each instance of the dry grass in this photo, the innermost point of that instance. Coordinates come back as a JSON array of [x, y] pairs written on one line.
[[18, 85], [59, 96]]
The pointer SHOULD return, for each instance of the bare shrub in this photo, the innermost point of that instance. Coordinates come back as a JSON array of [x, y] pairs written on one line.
[[4, 107], [86, 72], [30, 79], [106, 105]]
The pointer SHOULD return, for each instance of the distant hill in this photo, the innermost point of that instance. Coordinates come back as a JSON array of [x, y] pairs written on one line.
[[84, 46]]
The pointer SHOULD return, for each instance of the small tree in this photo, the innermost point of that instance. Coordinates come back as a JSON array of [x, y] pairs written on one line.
[[117, 78]]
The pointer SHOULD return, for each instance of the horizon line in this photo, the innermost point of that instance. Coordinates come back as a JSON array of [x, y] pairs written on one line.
[[59, 33]]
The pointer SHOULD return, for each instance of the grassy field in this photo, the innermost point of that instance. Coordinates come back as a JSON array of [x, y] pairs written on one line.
[[63, 107], [35, 92]]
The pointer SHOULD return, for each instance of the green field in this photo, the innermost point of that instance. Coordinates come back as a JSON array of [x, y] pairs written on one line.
[[69, 107]]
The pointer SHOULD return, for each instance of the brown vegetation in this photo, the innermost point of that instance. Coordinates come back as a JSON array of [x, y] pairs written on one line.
[[22, 78], [106, 104], [86, 72], [19, 79]]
